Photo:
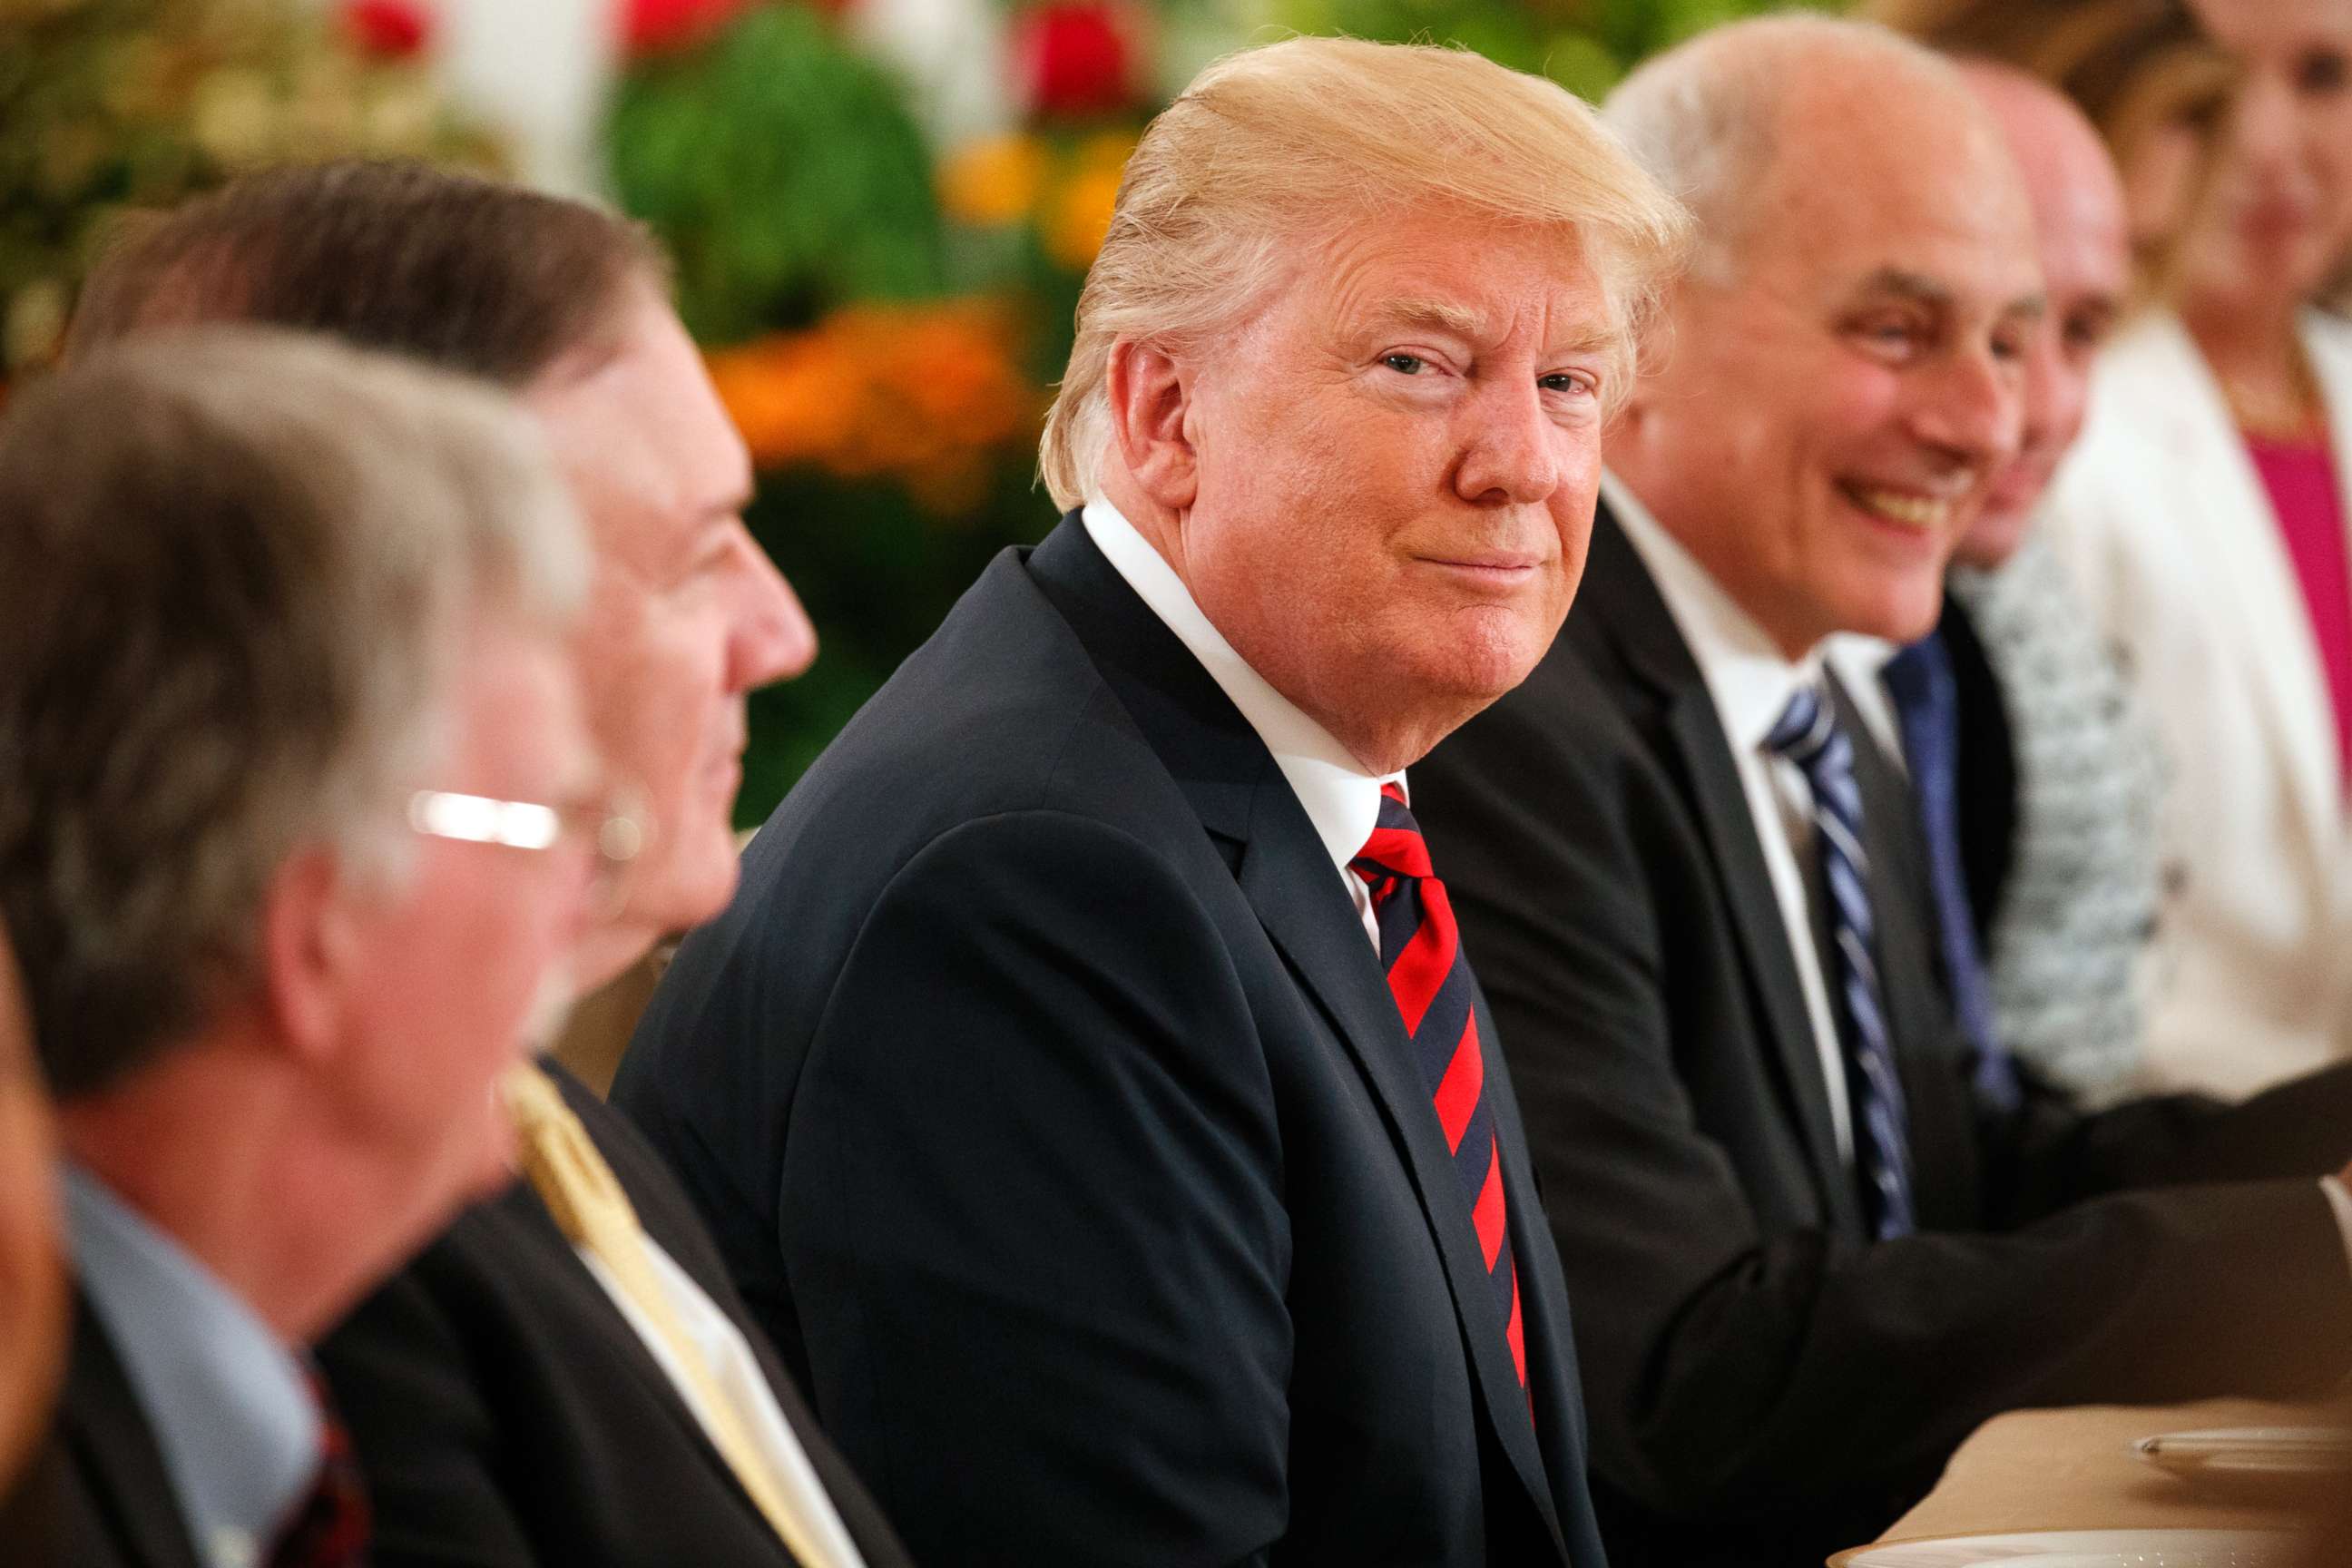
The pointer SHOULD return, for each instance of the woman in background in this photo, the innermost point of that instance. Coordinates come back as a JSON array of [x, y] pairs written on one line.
[[2057, 770], [2205, 516]]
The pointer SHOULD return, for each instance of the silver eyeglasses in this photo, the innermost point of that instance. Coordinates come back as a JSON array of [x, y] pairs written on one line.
[[615, 826]]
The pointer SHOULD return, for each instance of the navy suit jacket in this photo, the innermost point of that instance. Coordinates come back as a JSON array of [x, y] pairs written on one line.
[[1048, 1100]]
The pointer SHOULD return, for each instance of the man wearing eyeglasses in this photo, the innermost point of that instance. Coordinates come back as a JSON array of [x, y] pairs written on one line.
[[566, 1374], [262, 601]]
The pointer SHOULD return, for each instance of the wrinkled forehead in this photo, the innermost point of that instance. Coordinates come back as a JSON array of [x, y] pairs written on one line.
[[1464, 275], [2259, 27], [1871, 190]]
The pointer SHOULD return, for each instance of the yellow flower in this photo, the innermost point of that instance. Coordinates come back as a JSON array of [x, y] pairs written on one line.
[[1080, 216], [990, 182]]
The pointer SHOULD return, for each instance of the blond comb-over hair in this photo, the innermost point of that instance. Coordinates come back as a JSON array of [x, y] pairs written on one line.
[[1273, 149]]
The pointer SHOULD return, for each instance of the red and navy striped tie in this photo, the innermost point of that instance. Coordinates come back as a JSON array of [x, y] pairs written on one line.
[[330, 1528], [1429, 976]]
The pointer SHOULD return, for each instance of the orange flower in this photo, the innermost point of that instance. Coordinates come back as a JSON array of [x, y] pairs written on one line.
[[927, 396]]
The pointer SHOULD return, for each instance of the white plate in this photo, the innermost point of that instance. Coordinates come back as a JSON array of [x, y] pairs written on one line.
[[2088, 1549], [2284, 1453]]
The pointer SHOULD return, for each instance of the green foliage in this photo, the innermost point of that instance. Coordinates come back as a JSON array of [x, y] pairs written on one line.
[[783, 171], [108, 104], [1586, 45]]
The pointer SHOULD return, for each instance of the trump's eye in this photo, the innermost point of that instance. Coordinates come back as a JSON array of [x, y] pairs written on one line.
[[1566, 381], [1405, 364]]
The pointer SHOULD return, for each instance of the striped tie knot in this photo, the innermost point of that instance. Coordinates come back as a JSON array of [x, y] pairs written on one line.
[[1807, 733], [1395, 851]]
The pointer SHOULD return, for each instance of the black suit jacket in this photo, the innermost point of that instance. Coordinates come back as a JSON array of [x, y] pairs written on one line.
[[506, 1414], [102, 1483], [1050, 1104], [1766, 1384]]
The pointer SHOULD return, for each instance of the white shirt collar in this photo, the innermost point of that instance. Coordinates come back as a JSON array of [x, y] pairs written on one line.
[[1749, 677], [1860, 661], [1343, 800]]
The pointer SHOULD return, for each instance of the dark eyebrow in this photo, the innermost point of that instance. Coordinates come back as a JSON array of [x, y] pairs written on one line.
[[1920, 289], [1436, 314], [1913, 286]]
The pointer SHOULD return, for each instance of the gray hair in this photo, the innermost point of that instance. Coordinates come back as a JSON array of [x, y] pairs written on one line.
[[1704, 116], [1274, 148], [235, 567]]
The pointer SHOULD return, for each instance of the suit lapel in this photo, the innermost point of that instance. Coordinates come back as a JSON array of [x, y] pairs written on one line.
[[1923, 1029], [114, 1455], [1229, 779], [1290, 883], [612, 1340], [670, 1222], [1624, 610]]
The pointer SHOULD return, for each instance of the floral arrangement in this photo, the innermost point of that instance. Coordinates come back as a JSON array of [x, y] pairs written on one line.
[[109, 104], [929, 396]]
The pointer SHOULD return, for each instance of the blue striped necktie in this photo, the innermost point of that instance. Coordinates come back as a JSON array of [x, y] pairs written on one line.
[[1808, 735], [1928, 708]]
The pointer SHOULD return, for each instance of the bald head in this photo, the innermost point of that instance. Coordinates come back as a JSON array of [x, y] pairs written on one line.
[[1845, 370], [1741, 119], [2081, 240]]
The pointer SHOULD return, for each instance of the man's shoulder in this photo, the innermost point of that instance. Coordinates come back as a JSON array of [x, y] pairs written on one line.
[[105, 1468], [1576, 715], [1003, 712]]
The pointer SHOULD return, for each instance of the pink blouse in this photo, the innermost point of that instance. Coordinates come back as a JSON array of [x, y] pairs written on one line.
[[2301, 479]]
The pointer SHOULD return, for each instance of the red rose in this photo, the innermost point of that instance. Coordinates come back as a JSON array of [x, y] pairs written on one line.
[[1075, 58], [389, 29], [656, 27]]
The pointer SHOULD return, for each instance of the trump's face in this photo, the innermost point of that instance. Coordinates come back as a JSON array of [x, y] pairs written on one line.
[[1395, 464], [1837, 394]]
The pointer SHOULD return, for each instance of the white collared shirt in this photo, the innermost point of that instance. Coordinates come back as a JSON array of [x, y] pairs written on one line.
[[1343, 800], [1751, 681]]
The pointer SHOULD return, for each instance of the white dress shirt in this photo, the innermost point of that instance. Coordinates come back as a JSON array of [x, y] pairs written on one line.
[[1343, 800], [1751, 681], [735, 1369]]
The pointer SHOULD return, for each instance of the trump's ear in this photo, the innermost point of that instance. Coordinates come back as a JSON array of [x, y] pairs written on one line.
[[1151, 404]]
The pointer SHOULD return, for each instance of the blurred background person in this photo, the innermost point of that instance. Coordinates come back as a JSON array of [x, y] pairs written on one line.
[[294, 752], [32, 1273], [2035, 779], [2038, 776], [2144, 72], [2204, 517], [504, 1335]]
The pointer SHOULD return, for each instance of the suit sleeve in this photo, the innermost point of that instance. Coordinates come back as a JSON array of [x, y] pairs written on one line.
[[405, 1382], [1741, 1360], [1031, 1201]]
